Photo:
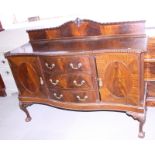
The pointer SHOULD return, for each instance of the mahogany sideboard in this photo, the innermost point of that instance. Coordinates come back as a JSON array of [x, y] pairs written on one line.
[[87, 66]]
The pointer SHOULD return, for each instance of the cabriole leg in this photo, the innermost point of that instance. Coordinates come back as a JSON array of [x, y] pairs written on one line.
[[24, 108], [141, 118]]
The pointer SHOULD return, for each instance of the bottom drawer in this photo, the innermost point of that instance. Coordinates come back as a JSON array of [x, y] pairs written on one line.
[[151, 89], [73, 96]]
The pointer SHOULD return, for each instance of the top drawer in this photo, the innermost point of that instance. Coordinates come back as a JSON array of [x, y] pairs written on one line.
[[52, 64]]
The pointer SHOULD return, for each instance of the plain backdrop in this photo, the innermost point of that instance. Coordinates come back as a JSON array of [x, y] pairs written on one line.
[[17, 11]]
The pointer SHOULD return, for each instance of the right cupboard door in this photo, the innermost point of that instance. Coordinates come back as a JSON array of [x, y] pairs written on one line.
[[119, 75]]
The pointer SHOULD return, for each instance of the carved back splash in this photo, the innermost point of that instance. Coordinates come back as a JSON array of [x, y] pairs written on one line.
[[89, 35]]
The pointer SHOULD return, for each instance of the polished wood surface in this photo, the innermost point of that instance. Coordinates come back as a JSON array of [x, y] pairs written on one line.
[[119, 73], [27, 74], [84, 65], [89, 35]]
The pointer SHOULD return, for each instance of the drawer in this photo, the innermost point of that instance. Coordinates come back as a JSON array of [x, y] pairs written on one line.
[[52, 64], [151, 89], [73, 96], [77, 63], [66, 64], [71, 81], [149, 71]]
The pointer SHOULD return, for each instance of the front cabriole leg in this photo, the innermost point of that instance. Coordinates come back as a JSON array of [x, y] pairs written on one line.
[[141, 118], [23, 107]]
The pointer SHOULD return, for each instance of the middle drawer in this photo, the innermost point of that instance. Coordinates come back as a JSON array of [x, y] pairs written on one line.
[[71, 81]]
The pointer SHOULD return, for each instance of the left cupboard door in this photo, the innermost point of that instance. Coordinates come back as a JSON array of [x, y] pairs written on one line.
[[28, 76]]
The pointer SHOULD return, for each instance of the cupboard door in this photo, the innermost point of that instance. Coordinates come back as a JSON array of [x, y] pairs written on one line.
[[28, 77], [119, 77]]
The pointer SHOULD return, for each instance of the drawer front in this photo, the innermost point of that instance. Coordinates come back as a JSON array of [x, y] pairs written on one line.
[[151, 89], [52, 64], [71, 81], [66, 64], [73, 96], [149, 72], [77, 63]]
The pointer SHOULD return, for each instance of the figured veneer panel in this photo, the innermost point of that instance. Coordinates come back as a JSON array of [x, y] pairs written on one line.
[[119, 73], [28, 77], [89, 35], [118, 79], [79, 28]]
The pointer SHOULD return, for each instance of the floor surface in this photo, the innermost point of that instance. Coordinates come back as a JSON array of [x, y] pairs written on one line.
[[52, 123]]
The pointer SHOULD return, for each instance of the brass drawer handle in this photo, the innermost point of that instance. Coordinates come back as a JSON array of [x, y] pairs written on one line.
[[79, 65], [78, 84], [58, 97], [54, 83], [51, 66], [82, 99], [41, 81]]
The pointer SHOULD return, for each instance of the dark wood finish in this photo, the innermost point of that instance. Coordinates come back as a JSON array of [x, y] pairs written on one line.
[[28, 77], [87, 28], [71, 81], [119, 73], [65, 64], [90, 43], [84, 65], [75, 96], [2, 87], [89, 35]]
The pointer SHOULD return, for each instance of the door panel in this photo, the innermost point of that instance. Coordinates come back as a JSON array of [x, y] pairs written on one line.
[[119, 75], [28, 76]]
